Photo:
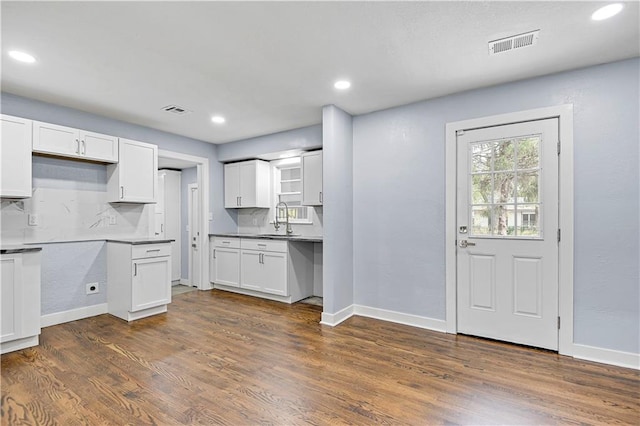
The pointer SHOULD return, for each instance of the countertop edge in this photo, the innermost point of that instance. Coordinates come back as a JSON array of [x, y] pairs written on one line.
[[297, 238], [14, 250]]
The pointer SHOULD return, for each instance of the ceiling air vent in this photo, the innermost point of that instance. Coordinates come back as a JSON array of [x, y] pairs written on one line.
[[514, 42], [174, 109]]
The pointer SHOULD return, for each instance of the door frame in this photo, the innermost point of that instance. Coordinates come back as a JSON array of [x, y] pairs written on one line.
[[564, 114], [202, 179], [190, 212]]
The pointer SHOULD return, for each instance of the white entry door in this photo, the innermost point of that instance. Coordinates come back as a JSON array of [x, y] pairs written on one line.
[[507, 233], [194, 235]]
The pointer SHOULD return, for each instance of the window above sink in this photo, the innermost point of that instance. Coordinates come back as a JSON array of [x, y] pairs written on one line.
[[287, 178]]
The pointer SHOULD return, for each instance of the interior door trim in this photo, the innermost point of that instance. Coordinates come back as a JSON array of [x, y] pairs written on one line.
[[564, 113]]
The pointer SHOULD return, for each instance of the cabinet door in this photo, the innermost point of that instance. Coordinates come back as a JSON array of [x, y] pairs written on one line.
[[95, 146], [248, 184], [11, 297], [231, 186], [274, 273], [251, 270], [138, 171], [227, 266], [151, 283], [312, 179], [53, 139], [15, 157]]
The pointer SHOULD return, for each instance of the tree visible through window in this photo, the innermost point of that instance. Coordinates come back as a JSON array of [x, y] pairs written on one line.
[[505, 175]]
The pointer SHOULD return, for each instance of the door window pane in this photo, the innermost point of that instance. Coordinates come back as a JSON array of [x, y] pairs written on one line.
[[504, 181]]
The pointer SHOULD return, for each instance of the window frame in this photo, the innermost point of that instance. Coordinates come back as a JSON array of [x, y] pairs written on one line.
[[277, 166]]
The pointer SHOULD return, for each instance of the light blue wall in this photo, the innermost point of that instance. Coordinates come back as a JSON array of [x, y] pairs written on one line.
[[399, 195], [337, 195], [305, 139], [189, 176], [66, 268]]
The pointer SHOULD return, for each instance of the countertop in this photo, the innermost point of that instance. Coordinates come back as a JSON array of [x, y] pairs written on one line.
[[18, 248], [139, 241], [294, 238]]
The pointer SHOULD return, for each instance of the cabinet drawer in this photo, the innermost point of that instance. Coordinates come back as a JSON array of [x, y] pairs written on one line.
[[264, 245], [226, 242], [150, 250]]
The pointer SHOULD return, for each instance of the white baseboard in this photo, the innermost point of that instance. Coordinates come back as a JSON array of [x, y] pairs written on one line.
[[72, 315], [401, 318], [185, 281], [607, 356], [335, 319]]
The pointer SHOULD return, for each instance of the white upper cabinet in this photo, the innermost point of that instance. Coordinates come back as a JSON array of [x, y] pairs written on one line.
[[312, 178], [15, 157], [247, 184], [134, 179], [69, 142]]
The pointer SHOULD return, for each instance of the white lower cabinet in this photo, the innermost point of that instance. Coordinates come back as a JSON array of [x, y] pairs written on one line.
[[264, 271], [139, 279], [225, 261], [273, 269], [20, 300]]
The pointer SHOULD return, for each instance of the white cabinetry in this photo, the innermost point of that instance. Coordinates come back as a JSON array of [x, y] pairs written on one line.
[[247, 184], [264, 266], [312, 178], [272, 269], [139, 279], [20, 299], [15, 157], [75, 143], [225, 261], [135, 178]]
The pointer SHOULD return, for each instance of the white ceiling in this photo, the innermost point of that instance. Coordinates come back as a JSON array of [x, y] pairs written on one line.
[[270, 66]]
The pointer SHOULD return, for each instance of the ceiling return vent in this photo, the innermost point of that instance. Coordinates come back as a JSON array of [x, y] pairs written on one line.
[[514, 42], [175, 109]]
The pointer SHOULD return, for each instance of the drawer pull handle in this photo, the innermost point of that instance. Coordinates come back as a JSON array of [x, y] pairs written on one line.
[[262, 245], [226, 242], [154, 250]]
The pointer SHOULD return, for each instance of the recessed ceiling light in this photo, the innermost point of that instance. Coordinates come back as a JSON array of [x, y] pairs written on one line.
[[22, 56], [607, 11], [342, 84], [218, 119]]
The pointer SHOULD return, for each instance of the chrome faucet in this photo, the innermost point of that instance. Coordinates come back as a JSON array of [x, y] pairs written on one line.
[[276, 223]]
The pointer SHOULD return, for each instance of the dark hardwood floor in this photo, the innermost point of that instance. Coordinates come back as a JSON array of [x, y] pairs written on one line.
[[221, 358]]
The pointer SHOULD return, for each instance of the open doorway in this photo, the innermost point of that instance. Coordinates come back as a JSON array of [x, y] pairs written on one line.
[[194, 171]]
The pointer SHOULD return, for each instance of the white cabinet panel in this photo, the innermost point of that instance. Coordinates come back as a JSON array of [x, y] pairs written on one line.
[[226, 266], [95, 146], [312, 178], [274, 273], [69, 142], [15, 157], [11, 267], [139, 279], [149, 287], [135, 178], [247, 184], [251, 270], [232, 185], [20, 300]]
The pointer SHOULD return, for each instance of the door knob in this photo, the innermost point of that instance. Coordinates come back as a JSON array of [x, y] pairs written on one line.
[[465, 244]]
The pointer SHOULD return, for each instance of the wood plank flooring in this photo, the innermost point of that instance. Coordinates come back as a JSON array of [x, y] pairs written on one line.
[[222, 358]]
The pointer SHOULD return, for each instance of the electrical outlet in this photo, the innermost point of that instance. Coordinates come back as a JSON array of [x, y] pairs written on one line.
[[93, 288], [33, 219], [112, 220], [255, 221]]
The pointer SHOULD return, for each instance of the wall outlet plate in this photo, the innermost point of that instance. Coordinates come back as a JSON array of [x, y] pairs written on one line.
[[112, 220], [93, 288], [33, 219]]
